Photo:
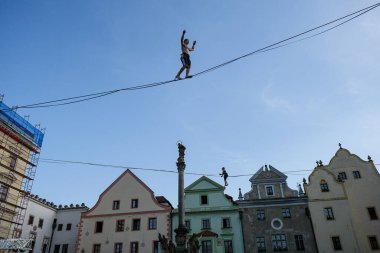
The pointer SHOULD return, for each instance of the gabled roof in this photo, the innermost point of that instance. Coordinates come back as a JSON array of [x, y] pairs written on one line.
[[261, 174], [132, 175], [204, 184]]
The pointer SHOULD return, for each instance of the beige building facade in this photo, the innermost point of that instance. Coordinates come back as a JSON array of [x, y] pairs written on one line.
[[344, 202], [126, 218]]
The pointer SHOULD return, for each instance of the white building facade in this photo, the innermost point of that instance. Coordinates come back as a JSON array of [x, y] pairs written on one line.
[[66, 228], [52, 228], [39, 218]]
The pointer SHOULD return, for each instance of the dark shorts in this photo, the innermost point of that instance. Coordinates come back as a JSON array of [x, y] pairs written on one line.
[[185, 59]]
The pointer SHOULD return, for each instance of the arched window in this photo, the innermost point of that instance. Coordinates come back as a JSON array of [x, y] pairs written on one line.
[[324, 186]]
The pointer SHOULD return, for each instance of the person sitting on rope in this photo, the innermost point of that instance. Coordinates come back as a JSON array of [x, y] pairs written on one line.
[[185, 56], [225, 175]]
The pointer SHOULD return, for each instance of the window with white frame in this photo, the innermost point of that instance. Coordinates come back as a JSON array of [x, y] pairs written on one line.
[[356, 174], [260, 214], [226, 222], [279, 242], [206, 224], [329, 213], [269, 190], [260, 244]]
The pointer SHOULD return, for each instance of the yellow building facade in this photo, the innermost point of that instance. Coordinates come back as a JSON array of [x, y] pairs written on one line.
[[344, 202], [20, 144]]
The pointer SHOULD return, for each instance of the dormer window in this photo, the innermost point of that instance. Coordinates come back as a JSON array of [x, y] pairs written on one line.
[[204, 200], [324, 186], [116, 205], [134, 203], [269, 190]]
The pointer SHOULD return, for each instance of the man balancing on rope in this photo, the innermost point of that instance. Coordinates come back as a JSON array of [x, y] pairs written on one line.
[[224, 174], [185, 56]]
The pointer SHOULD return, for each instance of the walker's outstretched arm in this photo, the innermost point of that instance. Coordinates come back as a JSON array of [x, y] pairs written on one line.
[[183, 36]]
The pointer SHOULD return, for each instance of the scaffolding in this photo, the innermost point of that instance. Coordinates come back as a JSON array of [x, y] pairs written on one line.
[[20, 144], [18, 245]]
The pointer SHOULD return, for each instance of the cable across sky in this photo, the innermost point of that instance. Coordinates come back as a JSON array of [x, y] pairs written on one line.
[[308, 34], [68, 162]]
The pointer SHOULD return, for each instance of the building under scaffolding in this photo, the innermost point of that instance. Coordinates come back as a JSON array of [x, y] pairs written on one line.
[[20, 144]]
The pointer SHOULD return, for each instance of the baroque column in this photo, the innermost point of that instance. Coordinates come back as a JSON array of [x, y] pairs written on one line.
[[181, 231]]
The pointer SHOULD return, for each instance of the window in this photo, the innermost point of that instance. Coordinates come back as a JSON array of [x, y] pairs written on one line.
[[206, 246], [134, 247], [118, 248], [68, 226], [60, 226], [134, 203], [136, 224], [342, 176], [226, 223], [65, 248], [299, 242], [188, 224], [286, 212], [156, 247], [269, 190], [373, 242], [329, 213], [205, 223], [12, 162], [3, 192], [57, 247], [356, 174], [99, 227], [204, 200], [260, 244], [45, 244], [30, 220], [336, 243], [120, 225], [372, 213], [324, 186], [260, 214], [40, 223], [32, 236], [96, 248], [152, 223], [279, 242], [116, 205], [228, 246]]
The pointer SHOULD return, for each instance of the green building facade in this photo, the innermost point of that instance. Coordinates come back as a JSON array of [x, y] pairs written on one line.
[[213, 216]]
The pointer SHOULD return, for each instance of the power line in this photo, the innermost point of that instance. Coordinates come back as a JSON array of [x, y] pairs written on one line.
[[59, 161], [279, 44]]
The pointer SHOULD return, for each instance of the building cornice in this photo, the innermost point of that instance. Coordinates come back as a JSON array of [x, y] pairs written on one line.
[[272, 202]]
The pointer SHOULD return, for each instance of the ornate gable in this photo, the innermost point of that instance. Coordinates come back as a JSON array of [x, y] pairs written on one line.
[[268, 174]]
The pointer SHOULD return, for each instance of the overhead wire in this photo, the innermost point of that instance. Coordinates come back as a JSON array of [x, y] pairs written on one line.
[[59, 161], [279, 44]]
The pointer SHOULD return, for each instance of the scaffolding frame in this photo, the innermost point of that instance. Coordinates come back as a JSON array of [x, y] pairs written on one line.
[[18, 245], [19, 155]]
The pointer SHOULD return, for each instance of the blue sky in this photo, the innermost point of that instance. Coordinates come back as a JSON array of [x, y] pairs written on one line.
[[287, 107]]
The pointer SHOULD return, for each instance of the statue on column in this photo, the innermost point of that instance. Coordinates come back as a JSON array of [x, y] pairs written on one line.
[[181, 152]]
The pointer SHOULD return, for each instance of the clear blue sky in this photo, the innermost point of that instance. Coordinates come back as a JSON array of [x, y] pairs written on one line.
[[287, 107]]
